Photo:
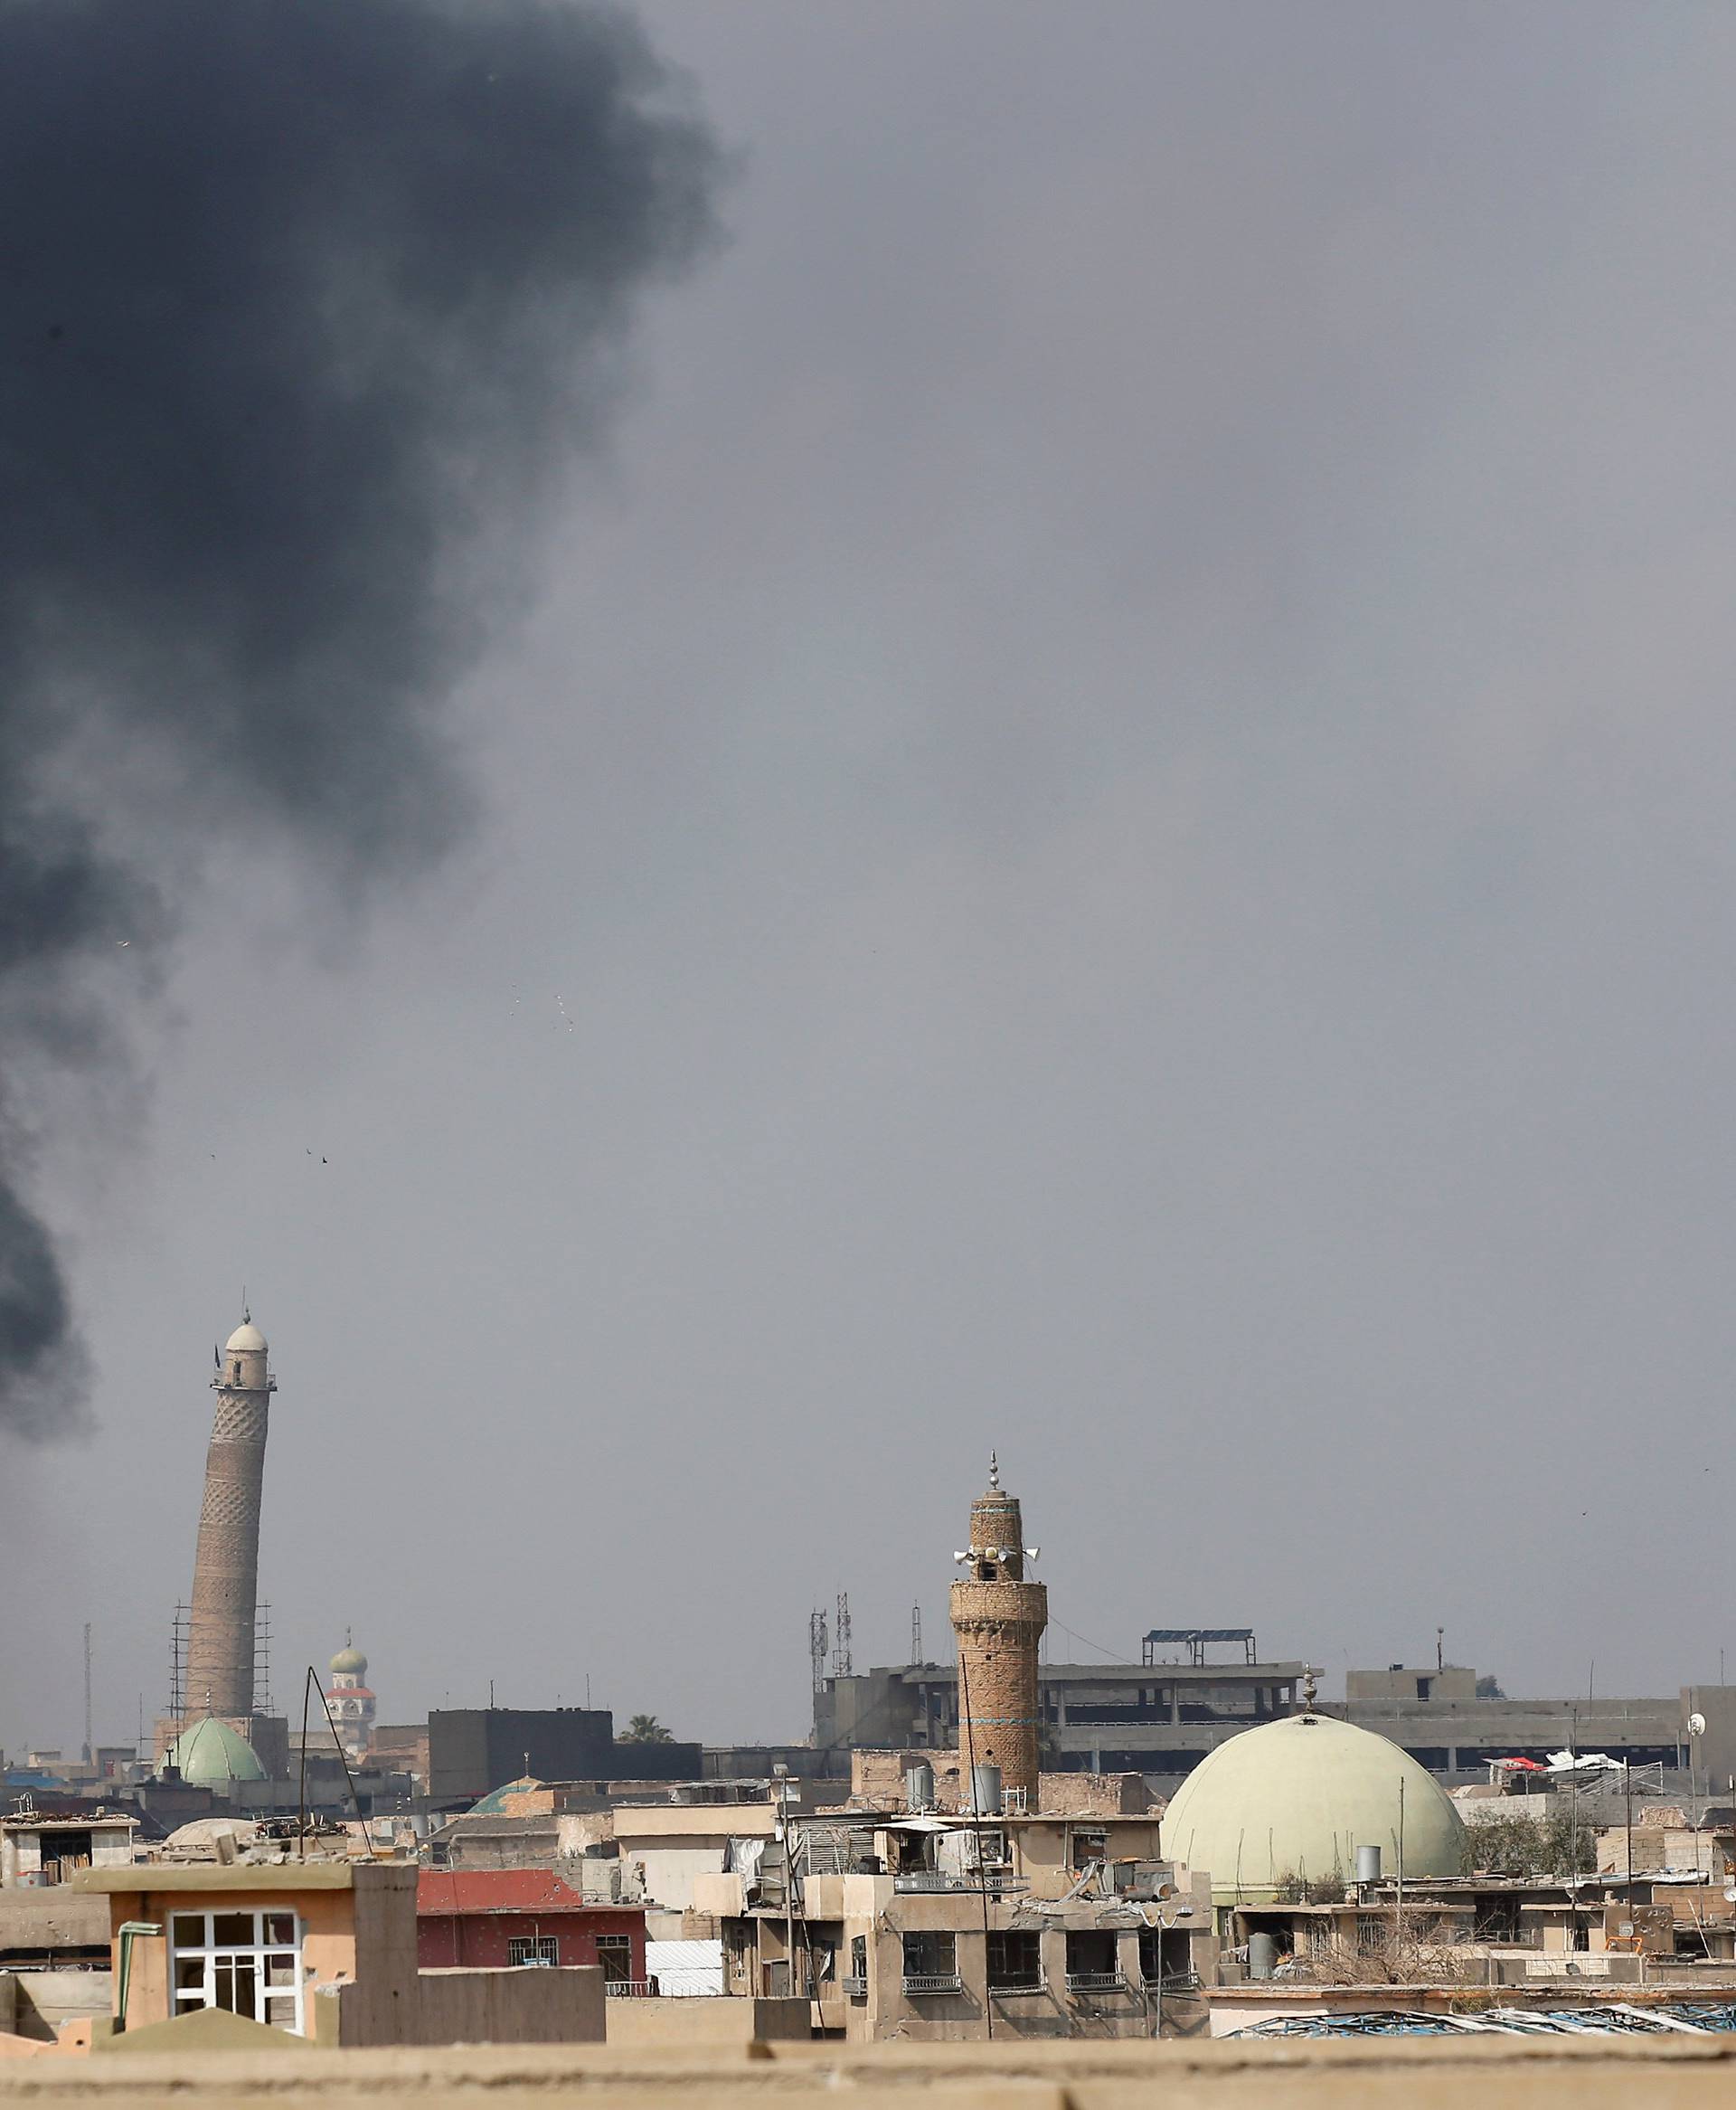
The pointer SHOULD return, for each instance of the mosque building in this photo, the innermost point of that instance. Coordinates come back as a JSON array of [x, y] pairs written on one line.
[[352, 1706], [1291, 1801]]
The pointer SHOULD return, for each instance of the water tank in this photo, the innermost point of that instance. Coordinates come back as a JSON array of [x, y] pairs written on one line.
[[918, 1788], [1368, 1864], [1262, 1956], [985, 1790]]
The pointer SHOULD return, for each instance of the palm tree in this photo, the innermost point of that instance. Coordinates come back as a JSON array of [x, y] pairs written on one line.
[[647, 1730]]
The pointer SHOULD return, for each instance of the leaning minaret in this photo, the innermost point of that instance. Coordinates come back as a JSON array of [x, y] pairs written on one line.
[[999, 1618], [226, 1565]]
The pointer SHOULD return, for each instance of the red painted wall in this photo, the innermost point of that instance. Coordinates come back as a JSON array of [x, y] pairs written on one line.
[[482, 1939]]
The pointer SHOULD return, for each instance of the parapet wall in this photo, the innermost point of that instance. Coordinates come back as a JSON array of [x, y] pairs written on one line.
[[715, 2018], [877, 1782], [465, 2006]]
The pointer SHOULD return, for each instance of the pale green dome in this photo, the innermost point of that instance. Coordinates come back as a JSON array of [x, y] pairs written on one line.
[[210, 1754], [1297, 1798], [349, 1662]]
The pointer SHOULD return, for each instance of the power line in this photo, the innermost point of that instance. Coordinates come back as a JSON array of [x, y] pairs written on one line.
[[1109, 1655]]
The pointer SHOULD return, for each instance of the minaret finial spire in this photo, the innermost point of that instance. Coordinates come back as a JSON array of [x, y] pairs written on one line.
[[994, 1470], [247, 1317]]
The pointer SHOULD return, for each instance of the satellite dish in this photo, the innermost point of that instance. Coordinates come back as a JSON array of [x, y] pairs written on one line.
[[1696, 1724]]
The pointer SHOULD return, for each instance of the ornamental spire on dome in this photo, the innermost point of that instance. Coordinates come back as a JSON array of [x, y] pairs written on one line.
[[994, 1471]]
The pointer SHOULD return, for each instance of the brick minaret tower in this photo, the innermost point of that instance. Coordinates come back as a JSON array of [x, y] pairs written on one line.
[[998, 1618], [226, 1565]]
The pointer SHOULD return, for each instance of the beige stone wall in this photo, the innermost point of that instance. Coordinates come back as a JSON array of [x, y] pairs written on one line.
[[715, 2019], [1448, 2073]]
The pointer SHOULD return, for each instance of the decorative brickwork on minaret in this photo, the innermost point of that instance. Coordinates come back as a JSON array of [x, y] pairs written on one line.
[[226, 1565], [998, 1618]]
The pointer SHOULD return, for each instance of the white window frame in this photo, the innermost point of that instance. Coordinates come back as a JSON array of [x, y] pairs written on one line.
[[260, 1952]]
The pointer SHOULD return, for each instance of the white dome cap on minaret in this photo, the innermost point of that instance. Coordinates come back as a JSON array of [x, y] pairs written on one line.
[[246, 1339]]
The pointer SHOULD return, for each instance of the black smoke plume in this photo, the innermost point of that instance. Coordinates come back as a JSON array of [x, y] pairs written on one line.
[[304, 307]]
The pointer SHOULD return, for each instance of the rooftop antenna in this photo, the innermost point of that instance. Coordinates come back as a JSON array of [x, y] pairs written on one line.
[[818, 1641], [841, 1663], [916, 1633], [1441, 1648], [87, 1692]]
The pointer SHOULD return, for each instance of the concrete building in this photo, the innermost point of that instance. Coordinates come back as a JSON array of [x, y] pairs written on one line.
[[1158, 1716], [38, 1852], [1161, 1716], [998, 1621], [323, 1949], [474, 1751], [912, 1925], [1436, 1715]]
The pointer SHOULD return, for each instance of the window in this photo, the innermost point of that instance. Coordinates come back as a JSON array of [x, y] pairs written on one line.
[[991, 1847], [248, 1963], [615, 1953], [856, 1984], [532, 1949], [1163, 1956], [931, 1963], [1092, 1966], [1088, 1847], [1016, 1960]]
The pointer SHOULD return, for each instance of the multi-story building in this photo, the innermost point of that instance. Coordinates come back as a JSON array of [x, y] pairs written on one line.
[[929, 1927], [1158, 1716], [1161, 1716], [1439, 1716]]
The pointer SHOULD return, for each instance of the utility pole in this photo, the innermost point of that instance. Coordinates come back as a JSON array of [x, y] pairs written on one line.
[[1627, 1790], [1398, 1929]]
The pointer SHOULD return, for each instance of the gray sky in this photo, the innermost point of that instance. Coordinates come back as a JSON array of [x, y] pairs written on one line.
[[1124, 775]]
